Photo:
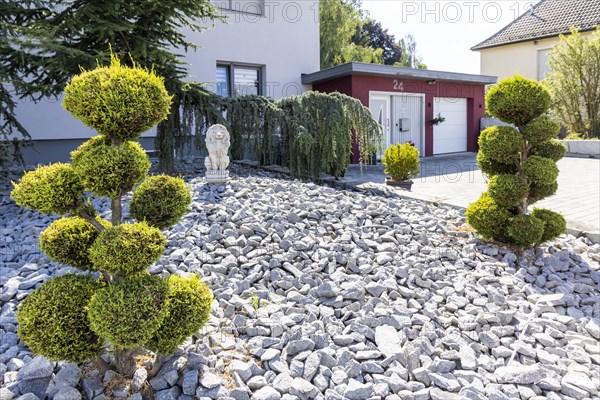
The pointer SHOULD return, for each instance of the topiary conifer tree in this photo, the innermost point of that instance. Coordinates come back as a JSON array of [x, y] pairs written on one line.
[[520, 164], [77, 317]]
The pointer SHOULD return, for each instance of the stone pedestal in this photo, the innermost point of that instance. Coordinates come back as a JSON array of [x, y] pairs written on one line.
[[217, 176]]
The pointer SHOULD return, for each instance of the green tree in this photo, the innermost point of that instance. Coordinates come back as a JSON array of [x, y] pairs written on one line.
[[52, 39], [12, 134], [401, 53], [574, 82], [373, 34], [72, 317], [340, 20], [408, 50]]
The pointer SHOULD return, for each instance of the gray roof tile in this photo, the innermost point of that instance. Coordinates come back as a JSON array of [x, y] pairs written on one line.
[[546, 19]]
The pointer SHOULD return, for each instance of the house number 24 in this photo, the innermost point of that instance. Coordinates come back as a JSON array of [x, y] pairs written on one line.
[[398, 85]]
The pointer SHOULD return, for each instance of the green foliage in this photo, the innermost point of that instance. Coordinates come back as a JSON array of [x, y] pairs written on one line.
[[160, 201], [401, 161], [501, 144], [552, 149], [517, 100], [189, 303], [50, 189], [538, 192], [340, 20], [540, 130], [487, 217], [574, 136], [13, 135], [490, 167], [540, 170], [53, 319], [68, 240], [107, 170], [129, 311], [555, 224], [507, 190], [118, 101], [525, 230], [317, 130], [127, 249], [574, 82], [521, 166]]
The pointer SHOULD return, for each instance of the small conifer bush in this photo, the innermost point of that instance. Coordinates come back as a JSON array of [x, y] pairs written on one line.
[[160, 201], [188, 310], [127, 249], [122, 308], [52, 189], [520, 163], [53, 320], [117, 101], [401, 161], [68, 240]]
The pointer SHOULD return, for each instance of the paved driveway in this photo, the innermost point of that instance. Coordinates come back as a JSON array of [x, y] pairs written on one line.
[[456, 180]]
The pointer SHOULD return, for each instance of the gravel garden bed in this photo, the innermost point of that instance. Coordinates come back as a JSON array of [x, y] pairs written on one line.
[[330, 294]]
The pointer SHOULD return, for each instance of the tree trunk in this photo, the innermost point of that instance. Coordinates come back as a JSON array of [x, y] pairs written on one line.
[[117, 211], [522, 208], [83, 214], [125, 362]]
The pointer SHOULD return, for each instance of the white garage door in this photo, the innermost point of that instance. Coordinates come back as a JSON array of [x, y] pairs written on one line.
[[450, 136]]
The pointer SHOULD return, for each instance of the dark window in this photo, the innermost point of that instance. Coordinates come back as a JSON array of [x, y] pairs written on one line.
[[238, 80]]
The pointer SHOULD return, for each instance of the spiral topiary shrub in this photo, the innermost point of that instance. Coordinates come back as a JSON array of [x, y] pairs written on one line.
[[552, 149], [118, 101], [401, 161], [541, 130], [507, 190], [487, 217], [490, 167], [127, 249], [75, 317], [51, 189], [501, 144], [520, 163], [541, 170], [111, 171], [517, 101], [525, 230], [160, 201], [189, 308], [68, 240], [53, 319], [555, 223], [129, 311]]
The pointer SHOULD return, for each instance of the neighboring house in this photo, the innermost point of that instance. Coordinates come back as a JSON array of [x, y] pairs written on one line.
[[522, 47], [263, 48], [405, 102]]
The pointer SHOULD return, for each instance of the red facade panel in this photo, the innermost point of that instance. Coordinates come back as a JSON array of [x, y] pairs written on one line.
[[359, 86]]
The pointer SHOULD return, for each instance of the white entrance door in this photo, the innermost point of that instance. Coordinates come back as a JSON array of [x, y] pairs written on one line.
[[407, 120], [379, 105], [450, 136]]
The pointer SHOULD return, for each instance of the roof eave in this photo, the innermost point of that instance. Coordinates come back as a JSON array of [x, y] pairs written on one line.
[[356, 68], [484, 47]]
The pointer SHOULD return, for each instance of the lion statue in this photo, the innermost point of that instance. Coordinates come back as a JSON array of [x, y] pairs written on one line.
[[217, 143]]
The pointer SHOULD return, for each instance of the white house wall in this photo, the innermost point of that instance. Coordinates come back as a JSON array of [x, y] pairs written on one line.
[[285, 41]]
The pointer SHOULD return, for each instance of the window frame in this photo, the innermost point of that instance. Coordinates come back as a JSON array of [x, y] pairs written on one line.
[[546, 55], [230, 68], [232, 3]]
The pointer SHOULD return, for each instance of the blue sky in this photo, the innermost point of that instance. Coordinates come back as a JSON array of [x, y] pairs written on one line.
[[445, 30]]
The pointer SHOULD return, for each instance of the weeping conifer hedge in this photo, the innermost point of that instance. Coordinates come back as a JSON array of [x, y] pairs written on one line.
[[311, 133]]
